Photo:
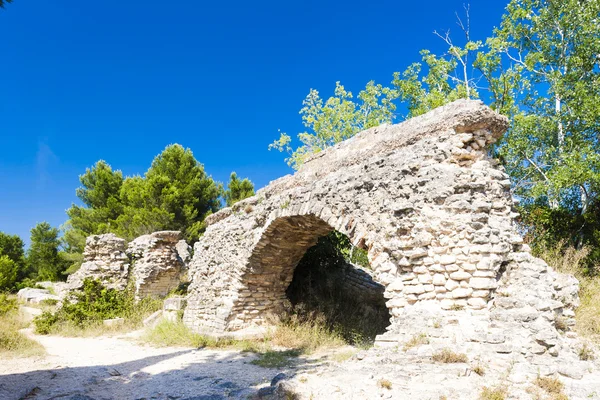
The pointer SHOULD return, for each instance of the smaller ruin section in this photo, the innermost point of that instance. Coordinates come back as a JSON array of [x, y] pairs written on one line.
[[104, 259], [152, 263], [157, 267]]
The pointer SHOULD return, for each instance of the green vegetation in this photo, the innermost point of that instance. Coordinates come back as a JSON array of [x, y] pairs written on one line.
[[540, 68], [43, 255], [321, 302], [276, 359], [567, 259], [174, 194], [238, 189], [12, 342], [84, 314], [2, 2]]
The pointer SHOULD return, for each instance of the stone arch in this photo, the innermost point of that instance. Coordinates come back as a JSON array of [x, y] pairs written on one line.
[[270, 268], [423, 196]]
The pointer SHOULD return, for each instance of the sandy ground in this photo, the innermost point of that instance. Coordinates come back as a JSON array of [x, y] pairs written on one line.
[[118, 368]]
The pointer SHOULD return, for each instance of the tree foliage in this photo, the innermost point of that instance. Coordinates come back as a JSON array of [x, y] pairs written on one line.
[[337, 119], [43, 255], [8, 273], [3, 2], [238, 189], [12, 247], [174, 194], [540, 67]]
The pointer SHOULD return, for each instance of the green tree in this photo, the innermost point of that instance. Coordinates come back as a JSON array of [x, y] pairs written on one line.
[[8, 273], [177, 184], [238, 189], [552, 150], [12, 247], [2, 2], [43, 255], [100, 193], [337, 119]]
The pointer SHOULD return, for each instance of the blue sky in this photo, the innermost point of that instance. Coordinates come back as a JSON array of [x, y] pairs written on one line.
[[82, 81]]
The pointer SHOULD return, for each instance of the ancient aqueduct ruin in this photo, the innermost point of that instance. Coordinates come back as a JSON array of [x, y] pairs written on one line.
[[422, 197]]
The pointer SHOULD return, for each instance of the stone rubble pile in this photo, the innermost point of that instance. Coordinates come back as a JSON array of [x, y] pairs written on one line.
[[151, 262], [104, 259]]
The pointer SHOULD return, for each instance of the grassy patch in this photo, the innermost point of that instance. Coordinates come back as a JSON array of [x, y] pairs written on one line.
[[492, 394], [166, 333], [12, 342], [447, 356], [416, 340], [569, 260], [306, 334], [276, 359]]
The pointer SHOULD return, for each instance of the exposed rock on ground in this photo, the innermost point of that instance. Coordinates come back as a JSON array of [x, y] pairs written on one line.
[[36, 296]]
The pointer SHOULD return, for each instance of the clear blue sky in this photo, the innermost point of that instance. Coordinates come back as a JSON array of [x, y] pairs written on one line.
[[82, 81]]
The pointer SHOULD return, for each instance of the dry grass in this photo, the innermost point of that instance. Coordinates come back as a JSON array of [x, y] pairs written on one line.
[[384, 384], [447, 356], [479, 370], [492, 393], [307, 335], [570, 260], [12, 342], [416, 340], [585, 353], [551, 386]]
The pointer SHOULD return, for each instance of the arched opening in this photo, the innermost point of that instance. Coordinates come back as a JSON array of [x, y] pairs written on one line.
[[302, 268], [333, 283]]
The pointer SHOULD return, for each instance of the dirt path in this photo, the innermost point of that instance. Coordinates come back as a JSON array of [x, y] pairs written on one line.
[[118, 368]]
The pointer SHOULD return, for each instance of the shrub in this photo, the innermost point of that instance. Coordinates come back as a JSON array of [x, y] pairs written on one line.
[[8, 273], [91, 306], [447, 356], [7, 304]]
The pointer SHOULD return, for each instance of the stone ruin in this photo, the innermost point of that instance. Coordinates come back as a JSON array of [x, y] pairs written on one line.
[[435, 214], [423, 197], [155, 263]]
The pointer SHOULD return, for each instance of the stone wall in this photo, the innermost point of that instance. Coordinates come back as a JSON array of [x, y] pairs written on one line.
[[104, 259], [153, 262], [157, 267], [433, 210]]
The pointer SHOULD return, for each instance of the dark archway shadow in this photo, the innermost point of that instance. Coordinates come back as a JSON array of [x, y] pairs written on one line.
[[330, 283]]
